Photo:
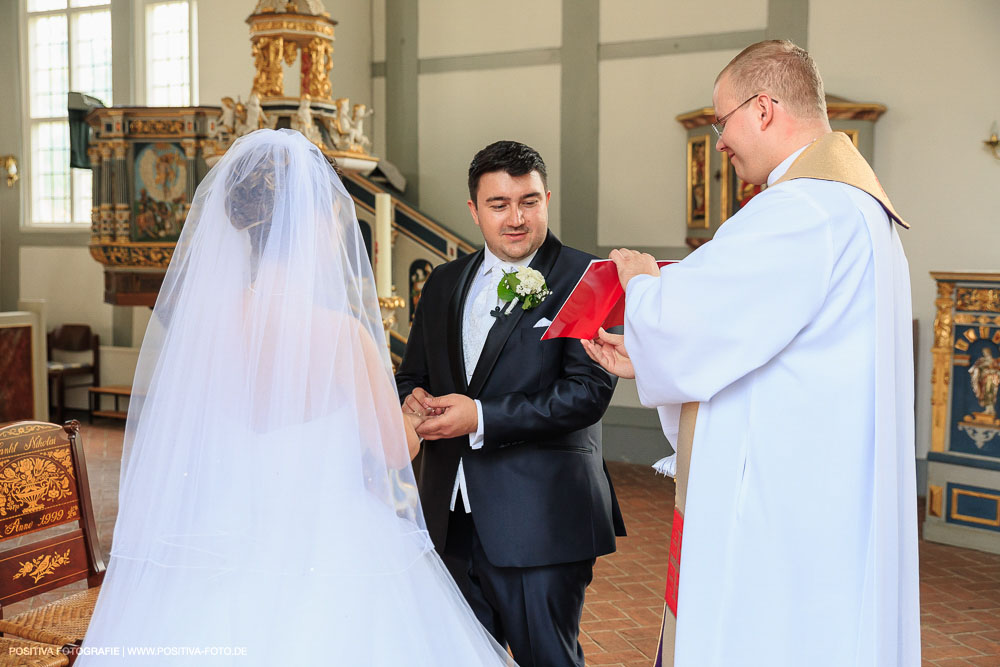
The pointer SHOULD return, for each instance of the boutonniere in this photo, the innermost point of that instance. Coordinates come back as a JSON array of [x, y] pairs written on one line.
[[525, 286]]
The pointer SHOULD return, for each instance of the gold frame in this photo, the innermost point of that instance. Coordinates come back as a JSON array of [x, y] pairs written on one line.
[[702, 141], [955, 493], [853, 134]]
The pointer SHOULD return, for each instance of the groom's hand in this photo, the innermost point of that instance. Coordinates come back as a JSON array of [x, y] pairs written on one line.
[[457, 415], [417, 403], [609, 351]]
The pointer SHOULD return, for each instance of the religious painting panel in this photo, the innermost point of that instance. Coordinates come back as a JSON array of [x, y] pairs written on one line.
[[160, 186], [697, 182], [975, 378], [17, 391], [736, 193]]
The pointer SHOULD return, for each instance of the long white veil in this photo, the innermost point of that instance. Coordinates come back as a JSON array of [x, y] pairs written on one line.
[[267, 503]]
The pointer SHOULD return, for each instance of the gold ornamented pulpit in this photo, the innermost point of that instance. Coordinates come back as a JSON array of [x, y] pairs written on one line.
[[147, 163], [963, 466]]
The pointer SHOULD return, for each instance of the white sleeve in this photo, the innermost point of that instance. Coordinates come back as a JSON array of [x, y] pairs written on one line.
[[476, 439], [733, 304]]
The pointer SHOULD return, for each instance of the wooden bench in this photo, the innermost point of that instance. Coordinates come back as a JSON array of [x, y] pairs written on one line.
[[94, 401]]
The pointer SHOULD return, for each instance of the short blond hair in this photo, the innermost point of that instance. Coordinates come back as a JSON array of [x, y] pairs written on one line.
[[784, 71]]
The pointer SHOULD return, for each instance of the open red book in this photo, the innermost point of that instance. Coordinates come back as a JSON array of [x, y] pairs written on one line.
[[598, 300]]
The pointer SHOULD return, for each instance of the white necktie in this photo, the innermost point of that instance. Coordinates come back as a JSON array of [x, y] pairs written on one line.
[[480, 320]]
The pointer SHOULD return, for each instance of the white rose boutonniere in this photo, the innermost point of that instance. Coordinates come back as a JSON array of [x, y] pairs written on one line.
[[526, 285]]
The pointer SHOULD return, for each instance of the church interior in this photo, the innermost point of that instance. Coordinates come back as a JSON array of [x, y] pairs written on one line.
[[115, 110]]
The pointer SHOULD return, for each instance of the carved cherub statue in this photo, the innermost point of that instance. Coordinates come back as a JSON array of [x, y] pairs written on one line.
[[350, 133], [356, 135], [255, 116], [226, 122], [303, 121]]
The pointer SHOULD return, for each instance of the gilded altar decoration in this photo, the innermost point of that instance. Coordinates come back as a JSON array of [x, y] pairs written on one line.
[[42, 566], [985, 379], [697, 182], [963, 476], [978, 299], [317, 61], [155, 127], [268, 53]]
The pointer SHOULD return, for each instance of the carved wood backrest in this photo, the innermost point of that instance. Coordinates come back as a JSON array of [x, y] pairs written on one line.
[[43, 484]]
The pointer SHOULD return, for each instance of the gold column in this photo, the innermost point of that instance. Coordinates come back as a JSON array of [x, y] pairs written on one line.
[[941, 373], [268, 53]]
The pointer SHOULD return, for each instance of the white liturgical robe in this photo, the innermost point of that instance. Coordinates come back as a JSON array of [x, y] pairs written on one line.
[[792, 328]]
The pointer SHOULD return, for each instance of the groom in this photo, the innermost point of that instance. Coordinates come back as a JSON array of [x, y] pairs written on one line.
[[514, 488]]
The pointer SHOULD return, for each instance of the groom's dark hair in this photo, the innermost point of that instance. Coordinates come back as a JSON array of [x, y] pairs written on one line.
[[510, 156]]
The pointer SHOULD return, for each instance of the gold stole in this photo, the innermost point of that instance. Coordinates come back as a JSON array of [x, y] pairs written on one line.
[[832, 157]]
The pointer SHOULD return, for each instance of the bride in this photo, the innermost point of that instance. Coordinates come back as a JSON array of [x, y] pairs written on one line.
[[268, 512]]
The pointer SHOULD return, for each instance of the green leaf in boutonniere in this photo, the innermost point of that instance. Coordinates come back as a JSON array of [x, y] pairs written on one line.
[[526, 285]]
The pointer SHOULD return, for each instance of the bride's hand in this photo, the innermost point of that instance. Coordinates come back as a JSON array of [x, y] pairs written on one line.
[[413, 420]]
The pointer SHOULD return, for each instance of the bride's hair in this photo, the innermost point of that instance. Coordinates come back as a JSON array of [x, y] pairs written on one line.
[[250, 193]]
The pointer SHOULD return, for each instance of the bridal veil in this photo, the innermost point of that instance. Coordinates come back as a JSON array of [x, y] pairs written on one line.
[[268, 513]]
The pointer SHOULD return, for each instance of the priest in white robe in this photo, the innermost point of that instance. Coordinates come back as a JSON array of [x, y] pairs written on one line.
[[787, 340]]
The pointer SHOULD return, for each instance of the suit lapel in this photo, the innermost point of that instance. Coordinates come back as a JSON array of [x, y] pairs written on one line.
[[505, 325], [456, 354]]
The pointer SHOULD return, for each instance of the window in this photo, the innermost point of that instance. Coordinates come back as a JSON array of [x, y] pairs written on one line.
[[168, 53], [68, 48]]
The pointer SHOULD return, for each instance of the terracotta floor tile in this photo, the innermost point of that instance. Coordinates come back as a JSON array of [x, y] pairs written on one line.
[[960, 588]]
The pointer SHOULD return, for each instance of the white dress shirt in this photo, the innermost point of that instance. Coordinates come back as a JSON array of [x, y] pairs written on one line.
[[476, 324]]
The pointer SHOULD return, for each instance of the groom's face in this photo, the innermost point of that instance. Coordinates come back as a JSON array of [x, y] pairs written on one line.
[[512, 212]]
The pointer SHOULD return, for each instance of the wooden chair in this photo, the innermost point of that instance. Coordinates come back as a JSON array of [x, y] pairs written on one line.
[[72, 338], [43, 484]]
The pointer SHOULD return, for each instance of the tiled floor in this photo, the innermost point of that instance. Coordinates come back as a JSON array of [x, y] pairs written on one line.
[[960, 589]]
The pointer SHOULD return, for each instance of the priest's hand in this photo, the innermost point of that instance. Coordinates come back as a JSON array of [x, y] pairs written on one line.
[[631, 263], [608, 350], [456, 415]]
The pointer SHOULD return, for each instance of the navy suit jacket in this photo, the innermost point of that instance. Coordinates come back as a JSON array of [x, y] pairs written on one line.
[[539, 490]]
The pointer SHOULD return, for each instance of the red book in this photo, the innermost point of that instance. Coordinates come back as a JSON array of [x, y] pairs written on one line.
[[598, 300]]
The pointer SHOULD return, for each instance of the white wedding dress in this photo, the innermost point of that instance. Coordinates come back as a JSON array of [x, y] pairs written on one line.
[[268, 511]]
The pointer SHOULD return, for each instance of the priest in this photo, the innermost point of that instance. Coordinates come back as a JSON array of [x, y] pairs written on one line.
[[779, 357]]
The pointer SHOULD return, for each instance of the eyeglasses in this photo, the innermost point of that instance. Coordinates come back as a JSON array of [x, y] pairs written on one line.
[[720, 125]]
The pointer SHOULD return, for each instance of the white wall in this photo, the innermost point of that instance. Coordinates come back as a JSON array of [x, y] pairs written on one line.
[[72, 284], [935, 67], [642, 147], [625, 20], [462, 112], [464, 27]]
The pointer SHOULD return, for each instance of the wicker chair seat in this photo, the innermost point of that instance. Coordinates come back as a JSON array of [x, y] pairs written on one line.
[[21, 653], [61, 622]]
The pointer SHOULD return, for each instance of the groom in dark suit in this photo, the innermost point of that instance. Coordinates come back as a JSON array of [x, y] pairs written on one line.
[[513, 484]]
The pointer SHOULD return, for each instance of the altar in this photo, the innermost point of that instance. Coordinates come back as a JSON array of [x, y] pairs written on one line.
[[963, 466]]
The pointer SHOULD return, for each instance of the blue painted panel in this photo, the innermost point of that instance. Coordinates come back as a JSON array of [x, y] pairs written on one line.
[[962, 460], [973, 506], [964, 402]]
